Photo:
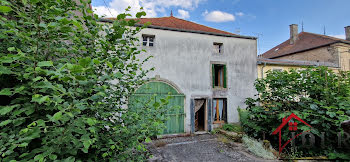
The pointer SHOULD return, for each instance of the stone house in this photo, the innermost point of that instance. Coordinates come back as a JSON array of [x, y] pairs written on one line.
[[311, 47], [208, 72]]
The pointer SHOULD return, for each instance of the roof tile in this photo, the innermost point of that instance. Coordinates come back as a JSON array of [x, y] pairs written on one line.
[[304, 42], [176, 23]]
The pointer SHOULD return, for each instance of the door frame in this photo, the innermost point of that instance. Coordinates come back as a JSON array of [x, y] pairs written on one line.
[[206, 116]]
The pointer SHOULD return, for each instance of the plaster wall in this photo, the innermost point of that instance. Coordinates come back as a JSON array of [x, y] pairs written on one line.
[[185, 59]]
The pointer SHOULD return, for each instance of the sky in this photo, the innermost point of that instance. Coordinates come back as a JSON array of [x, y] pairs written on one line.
[[268, 20]]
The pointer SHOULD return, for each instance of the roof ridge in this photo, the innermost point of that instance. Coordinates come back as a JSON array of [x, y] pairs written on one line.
[[324, 36], [203, 25]]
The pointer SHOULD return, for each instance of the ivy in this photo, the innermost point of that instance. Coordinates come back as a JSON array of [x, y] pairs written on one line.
[[65, 84]]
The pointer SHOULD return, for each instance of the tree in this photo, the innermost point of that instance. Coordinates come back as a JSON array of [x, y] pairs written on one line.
[[65, 79]]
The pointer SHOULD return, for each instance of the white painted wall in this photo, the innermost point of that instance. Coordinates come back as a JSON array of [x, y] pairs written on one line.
[[185, 59]]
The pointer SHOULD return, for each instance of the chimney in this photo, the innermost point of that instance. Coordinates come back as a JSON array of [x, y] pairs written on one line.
[[347, 33], [293, 33]]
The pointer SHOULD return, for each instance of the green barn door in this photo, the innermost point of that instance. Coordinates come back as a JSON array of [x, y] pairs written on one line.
[[146, 92]]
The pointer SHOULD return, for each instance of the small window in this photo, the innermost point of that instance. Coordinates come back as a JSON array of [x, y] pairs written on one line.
[[219, 75], [144, 41], [148, 40], [220, 110], [218, 47]]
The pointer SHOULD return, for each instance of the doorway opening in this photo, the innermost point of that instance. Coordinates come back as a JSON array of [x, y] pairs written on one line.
[[200, 115]]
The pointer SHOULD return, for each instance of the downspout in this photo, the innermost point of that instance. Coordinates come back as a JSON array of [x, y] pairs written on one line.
[[262, 71]]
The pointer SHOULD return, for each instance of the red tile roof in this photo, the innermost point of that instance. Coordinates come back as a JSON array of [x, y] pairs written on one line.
[[305, 41], [176, 23]]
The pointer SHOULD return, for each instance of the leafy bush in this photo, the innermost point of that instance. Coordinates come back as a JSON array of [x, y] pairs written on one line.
[[65, 80], [317, 95], [257, 148], [231, 127]]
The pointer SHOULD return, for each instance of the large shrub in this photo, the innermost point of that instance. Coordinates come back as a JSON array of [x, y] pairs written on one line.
[[317, 95], [64, 81]]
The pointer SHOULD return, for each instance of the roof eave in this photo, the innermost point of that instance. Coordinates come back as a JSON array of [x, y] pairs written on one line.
[[188, 31]]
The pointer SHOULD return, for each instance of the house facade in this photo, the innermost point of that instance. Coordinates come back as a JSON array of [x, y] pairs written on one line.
[[264, 65], [311, 47], [208, 72]]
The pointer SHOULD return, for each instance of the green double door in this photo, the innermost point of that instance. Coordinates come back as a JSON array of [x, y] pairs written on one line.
[[154, 91]]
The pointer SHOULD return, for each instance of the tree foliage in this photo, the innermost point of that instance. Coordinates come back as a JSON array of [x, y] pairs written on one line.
[[317, 95], [64, 82]]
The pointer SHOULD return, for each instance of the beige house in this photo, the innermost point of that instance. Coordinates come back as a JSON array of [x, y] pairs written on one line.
[[264, 65], [312, 49]]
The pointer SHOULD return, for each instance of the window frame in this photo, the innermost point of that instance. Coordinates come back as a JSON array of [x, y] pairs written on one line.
[[146, 38], [220, 48], [224, 111], [224, 82]]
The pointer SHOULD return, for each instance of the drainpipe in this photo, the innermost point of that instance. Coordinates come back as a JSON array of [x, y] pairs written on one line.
[[262, 71]]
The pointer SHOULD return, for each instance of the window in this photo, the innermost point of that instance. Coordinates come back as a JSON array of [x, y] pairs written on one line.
[[219, 75], [147, 40], [218, 47], [220, 110]]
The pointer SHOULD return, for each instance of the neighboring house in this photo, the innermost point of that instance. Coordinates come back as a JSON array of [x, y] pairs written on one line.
[[203, 68], [312, 47], [264, 65]]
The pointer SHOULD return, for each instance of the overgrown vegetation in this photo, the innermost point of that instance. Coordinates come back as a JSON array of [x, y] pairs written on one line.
[[64, 80], [257, 148], [317, 95], [232, 127]]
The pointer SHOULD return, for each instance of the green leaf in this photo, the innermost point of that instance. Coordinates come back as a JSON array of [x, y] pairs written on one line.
[[5, 9], [6, 109], [109, 64], [4, 70], [148, 140], [119, 75], [3, 123], [53, 156], [39, 157], [11, 49], [23, 145], [43, 99], [96, 61], [57, 116], [6, 92], [24, 2], [84, 62], [45, 63], [90, 121]]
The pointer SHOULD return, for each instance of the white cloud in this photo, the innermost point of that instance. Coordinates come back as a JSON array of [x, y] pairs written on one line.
[[341, 36], [183, 14], [218, 16], [151, 7], [240, 14]]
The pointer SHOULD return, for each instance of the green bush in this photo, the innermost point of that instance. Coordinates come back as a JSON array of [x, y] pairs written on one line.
[[317, 95], [232, 127], [65, 80]]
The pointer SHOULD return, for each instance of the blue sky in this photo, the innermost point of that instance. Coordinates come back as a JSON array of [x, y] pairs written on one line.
[[267, 19]]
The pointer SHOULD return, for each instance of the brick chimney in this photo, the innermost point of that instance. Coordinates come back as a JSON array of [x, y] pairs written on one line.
[[293, 33], [347, 33]]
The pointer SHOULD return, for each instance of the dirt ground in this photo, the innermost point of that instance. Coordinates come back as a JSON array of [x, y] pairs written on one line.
[[205, 147]]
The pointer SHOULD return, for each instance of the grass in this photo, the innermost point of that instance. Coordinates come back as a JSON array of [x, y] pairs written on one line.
[[257, 148]]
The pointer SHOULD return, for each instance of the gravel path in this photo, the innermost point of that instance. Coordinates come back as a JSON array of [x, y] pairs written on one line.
[[205, 147]]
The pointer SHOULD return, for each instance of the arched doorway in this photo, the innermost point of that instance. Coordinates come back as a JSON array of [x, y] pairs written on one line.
[[157, 90]]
